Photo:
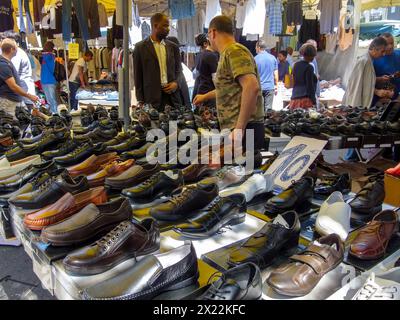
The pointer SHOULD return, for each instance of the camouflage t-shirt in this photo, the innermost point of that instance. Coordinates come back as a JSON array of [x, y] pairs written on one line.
[[235, 60]]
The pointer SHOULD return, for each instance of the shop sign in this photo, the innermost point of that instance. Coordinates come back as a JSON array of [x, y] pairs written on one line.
[[73, 51]]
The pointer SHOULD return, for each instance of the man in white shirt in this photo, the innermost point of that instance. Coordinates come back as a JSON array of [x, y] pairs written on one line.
[[77, 78], [289, 58]]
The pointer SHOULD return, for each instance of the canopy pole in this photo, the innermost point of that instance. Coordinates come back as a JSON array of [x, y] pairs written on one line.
[[66, 72], [126, 87]]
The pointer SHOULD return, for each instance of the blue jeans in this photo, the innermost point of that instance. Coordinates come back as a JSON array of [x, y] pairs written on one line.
[[73, 88], [51, 97], [66, 19]]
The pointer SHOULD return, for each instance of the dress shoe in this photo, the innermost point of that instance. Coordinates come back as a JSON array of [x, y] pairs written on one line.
[[385, 286], [302, 273], [64, 208], [120, 138], [80, 154], [132, 177], [128, 240], [183, 205], [158, 185], [8, 169], [98, 178], [241, 283], [92, 164], [88, 223], [218, 214], [132, 143], [263, 247], [98, 135], [372, 240], [334, 217], [393, 127], [227, 177], [363, 128], [330, 184], [297, 197], [63, 149], [50, 139], [138, 153], [18, 153], [14, 182], [51, 191], [379, 127], [150, 277], [369, 199], [347, 129], [196, 172]]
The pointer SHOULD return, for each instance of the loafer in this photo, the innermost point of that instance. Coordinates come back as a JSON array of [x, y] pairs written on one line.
[[369, 199], [243, 282], [91, 221], [302, 273], [65, 207], [372, 240], [262, 248], [151, 276], [115, 168], [8, 169], [92, 164], [126, 241]]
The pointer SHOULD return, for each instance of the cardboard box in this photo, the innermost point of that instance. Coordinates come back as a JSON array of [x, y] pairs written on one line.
[[392, 187]]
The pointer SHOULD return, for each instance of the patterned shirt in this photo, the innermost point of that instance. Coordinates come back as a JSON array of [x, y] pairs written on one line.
[[274, 11], [236, 60]]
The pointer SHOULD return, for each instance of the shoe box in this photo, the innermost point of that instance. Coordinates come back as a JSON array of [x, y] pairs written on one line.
[[392, 187]]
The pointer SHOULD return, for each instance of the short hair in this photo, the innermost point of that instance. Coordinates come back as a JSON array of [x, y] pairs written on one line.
[[284, 53], [48, 46], [201, 39], [12, 35], [222, 24], [387, 35], [157, 18], [88, 54], [378, 43], [308, 50], [261, 44], [312, 42], [8, 44]]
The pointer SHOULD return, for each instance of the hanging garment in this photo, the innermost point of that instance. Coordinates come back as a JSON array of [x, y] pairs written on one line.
[[294, 12], [38, 12], [213, 9], [67, 19], [75, 25], [6, 15], [269, 39], [23, 5], [136, 16], [117, 31], [91, 11], [331, 43], [58, 12], [346, 36], [255, 17], [330, 13], [240, 14], [181, 9], [103, 18], [274, 13], [146, 30], [309, 30]]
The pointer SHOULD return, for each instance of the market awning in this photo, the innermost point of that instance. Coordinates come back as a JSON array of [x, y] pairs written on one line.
[[373, 29]]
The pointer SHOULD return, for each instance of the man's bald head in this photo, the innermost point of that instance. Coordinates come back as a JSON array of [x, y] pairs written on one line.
[[8, 46]]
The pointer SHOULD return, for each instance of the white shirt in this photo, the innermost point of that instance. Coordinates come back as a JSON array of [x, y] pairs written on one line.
[[161, 52], [74, 77]]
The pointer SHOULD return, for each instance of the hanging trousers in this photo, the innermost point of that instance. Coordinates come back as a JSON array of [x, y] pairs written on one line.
[[66, 19]]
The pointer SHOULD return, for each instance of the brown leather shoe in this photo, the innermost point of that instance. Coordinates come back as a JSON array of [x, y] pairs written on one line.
[[372, 240], [132, 177], [98, 179], [65, 207], [92, 164], [303, 272], [196, 172], [88, 223]]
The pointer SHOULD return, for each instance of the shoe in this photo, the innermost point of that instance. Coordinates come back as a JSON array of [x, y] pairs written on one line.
[[50, 139], [334, 217], [302, 273], [380, 287], [150, 277], [50, 192], [262, 248], [98, 178], [63, 149], [255, 185], [92, 164], [394, 171], [14, 182], [158, 185], [297, 197], [138, 153], [183, 205], [64, 208], [227, 177], [330, 184], [369, 199], [372, 240], [397, 264], [132, 177], [241, 283], [196, 172], [88, 223], [132, 143], [98, 135], [80, 154], [128, 240], [218, 214], [8, 169], [120, 138]]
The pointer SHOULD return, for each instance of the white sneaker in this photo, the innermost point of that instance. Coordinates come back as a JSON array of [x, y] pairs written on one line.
[[334, 217], [8, 169], [381, 287]]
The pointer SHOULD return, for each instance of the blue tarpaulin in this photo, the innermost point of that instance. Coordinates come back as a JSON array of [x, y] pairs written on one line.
[[373, 29]]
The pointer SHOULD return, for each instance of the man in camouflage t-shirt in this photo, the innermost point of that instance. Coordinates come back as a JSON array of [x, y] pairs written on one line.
[[237, 83]]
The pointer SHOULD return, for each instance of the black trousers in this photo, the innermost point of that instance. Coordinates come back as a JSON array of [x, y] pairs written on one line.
[[259, 135]]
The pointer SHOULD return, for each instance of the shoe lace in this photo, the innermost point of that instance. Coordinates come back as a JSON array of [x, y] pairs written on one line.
[[78, 150], [112, 236], [66, 146], [46, 185], [367, 291], [151, 180], [180, 198], [213, 291]]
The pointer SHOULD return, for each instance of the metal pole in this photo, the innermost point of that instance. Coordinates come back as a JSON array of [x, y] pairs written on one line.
[[126, 87], [66, 72]]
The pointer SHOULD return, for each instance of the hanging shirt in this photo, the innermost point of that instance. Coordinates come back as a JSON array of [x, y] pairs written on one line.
[[309, 30], [255, 18], [274, 12], [182, 9], [330, 14], [146, 30], [331, 43], [345, 35], [267, 65], [294, 12], [161, 52], [388, 65], [240, 14], [38, 12], [6, 15], [213, 9], [103, 18]]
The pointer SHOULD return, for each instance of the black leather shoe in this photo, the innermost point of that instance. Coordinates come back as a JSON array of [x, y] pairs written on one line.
[[150, 277], [120, 138], [51, 138], [15, 182], [266, 245], [192, 198], [241, 283], [62, 150], [138, 153], [347, 129], [159, 185], [297, 197], [98, 135], [80, 154], [369, 199], [379, 127], [19, 153], [218, 214], [132, 143], [330, 184]]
